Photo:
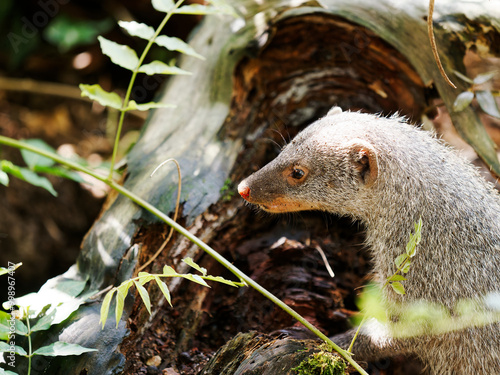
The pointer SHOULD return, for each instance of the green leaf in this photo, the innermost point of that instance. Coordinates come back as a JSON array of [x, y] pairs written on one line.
[[67, 33], [223, 281], [195, 278], [164, 289], [484, 77], [5, 348], [163, 5], [411, 245], [370, 301], [487, 103], [418, 229], [106, 302], [120, 303], [7, 372], [28, 176], [3, 271], [176, 44], [159, 67], [396, 278], [4, 178], [463, 100], [169, 271], [406, 267], [190, 262], [59, 172], [4, 325], [103, 97], [71, 287], [121, 294], [400, 259], [60, 348], [140, 30], [224, 7], [145, 277], [132, 105], [37, 180], [398, 288], [44, 322], [21, 328], [120, 54], [58, 294], [32, 159], [197, 9], [463, 77], [65, 309], [144, 295], [416, 237]]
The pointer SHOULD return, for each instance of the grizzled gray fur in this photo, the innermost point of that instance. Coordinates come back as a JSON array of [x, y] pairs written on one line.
[[388, 174]]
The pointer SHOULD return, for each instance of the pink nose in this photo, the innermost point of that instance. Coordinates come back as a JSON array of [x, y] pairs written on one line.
[[244, 190]]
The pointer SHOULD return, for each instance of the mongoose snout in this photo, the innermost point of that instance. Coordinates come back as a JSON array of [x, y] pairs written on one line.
[[388, 174], [244, 190], [290, 176]]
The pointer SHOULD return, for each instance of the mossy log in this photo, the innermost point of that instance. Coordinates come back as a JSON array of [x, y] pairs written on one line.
[[266, 76], [253, 353]]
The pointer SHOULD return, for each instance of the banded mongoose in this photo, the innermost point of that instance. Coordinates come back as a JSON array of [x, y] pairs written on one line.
[[388, 174]]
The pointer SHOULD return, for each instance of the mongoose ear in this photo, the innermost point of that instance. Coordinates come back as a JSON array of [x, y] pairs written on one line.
[[334, 111], [365, 162]]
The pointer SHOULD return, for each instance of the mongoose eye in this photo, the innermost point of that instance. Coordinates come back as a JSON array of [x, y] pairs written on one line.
[[297, 173]]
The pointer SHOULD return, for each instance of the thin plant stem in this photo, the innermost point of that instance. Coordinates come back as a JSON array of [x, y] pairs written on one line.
[[30, 354], [356, 334], [400, 269], [131, 84], [177, 204], [183, 231], [432, 39]]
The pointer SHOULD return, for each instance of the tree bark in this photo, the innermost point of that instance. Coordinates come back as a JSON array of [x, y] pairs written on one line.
[[265, 77]]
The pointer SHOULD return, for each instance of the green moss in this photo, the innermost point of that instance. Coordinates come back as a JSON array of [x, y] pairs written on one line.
[[322, 363], [226, 191]]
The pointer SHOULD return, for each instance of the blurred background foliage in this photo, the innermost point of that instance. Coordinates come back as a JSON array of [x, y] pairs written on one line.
[[56, 40], [49, 47]]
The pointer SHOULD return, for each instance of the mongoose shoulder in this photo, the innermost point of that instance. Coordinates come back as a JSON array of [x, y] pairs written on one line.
[[388, 174]]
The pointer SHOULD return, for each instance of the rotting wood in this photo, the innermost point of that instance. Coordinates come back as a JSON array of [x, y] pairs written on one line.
[[260, 84]]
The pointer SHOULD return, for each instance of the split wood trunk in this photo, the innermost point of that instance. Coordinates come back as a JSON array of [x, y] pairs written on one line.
[[266, 76]]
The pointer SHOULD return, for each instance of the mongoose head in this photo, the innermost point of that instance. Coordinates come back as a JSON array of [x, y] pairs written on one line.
[[324, 168]]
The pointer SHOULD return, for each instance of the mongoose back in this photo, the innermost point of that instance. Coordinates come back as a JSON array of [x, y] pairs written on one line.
[[388, 174]]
